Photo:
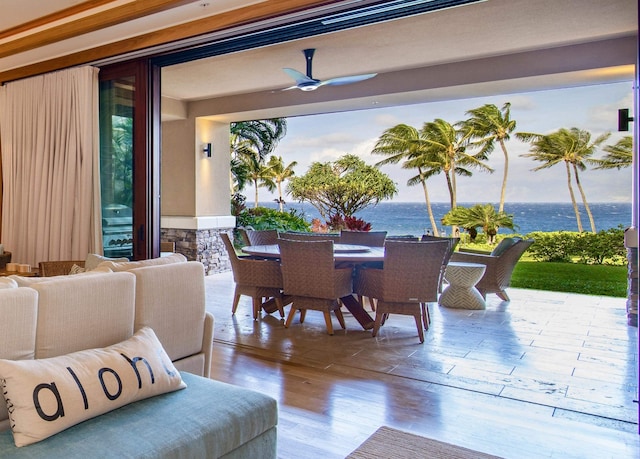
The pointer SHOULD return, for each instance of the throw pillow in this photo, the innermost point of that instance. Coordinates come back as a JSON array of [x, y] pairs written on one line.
[[46, 396], [93, 260], [503, 245], [75, 269], [129, 265]]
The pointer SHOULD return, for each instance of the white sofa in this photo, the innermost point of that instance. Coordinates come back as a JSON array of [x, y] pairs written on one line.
[[48, 317]]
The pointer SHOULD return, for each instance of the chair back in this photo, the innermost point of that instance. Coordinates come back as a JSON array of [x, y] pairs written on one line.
[[412, 270], [453, 243], [307, 268], [503, 245], [58, 268], [508, 260], [243, 235], [262, 237], [233, 256], [407, 238], [299, 236], [367, 238]]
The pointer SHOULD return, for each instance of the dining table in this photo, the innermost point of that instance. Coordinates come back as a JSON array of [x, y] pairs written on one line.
[[343, 254]]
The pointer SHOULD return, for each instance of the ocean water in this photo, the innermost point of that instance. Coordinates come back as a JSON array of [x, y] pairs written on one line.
[[399, 218]]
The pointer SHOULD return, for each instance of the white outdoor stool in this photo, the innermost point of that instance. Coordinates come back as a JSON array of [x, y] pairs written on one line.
[[461, 292]]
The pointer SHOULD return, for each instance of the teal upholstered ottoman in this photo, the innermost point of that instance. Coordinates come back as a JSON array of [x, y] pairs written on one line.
[[208, 419]]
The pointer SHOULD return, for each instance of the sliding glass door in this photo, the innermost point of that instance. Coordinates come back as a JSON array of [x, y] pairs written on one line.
[[127, 173]]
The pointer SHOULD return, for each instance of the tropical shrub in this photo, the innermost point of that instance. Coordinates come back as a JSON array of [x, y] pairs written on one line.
[[479, 216], [262, 218], [238, 203], [552, 246], [604, 247]]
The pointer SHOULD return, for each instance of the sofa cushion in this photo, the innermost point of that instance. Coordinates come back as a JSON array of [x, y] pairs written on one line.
[[49, 395], [208, 419], [23, 281], [158, 290], [128, 265], [18, 309], [84, 311], [6, 282]]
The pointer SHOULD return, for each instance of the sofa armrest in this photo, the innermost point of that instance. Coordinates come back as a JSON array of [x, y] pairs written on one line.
[[207, 343]]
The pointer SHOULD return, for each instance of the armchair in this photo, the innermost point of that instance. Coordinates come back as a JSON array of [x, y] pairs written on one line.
[[500, 265]]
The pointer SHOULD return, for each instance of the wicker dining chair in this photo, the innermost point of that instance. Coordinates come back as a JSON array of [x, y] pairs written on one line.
[[262, 237], [259, 279], [453, 243], [369, 239], [500, 265], [366, 238], [58, 268], [406, 283], [311, 278], [301, 236]]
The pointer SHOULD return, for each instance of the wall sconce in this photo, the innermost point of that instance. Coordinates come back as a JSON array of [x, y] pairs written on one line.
[[208, 150], [624, 119]]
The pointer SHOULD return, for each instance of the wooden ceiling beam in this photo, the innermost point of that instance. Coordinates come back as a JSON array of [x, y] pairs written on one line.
[[53, 17], [86, 24], [242, 16]]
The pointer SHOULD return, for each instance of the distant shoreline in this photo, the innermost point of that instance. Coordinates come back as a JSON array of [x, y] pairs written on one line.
[[400, 218]]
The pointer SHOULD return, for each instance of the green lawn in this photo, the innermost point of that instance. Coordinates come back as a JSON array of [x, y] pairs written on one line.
[[571, 277]]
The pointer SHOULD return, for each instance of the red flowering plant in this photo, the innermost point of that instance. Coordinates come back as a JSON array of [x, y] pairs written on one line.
[[337, 222]]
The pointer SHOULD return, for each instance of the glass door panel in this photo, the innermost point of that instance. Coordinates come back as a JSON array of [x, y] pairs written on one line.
[[116, 165]]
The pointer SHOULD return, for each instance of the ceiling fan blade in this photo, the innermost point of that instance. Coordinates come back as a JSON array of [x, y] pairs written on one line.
[[299, 77], [303, 82], [347, 79]]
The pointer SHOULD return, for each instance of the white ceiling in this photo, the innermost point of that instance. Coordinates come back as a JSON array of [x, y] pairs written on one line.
[[451, 35], [401, 51]]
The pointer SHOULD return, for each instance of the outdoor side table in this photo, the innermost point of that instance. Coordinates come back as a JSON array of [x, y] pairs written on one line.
[[461, 292]]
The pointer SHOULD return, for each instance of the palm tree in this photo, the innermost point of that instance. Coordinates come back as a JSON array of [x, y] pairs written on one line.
[[480, 216], [261, 136], [574, 148], [618, 156], [490, 125], [280, 173], [446, 144], [239, 173], [259, 174], [251, 143], [403, 142]]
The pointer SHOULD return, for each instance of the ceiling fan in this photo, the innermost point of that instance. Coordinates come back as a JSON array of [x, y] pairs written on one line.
[[308, 83]]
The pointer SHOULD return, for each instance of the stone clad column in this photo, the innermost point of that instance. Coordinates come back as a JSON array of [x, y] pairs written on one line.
[[195, 196]]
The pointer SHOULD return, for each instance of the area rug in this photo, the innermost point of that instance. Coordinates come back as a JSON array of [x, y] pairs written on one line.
[[395, 444]]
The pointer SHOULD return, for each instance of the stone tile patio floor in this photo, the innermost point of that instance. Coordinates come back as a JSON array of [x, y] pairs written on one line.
[[574, 353]]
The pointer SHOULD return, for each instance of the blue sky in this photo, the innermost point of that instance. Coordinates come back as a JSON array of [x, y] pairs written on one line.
[[593, 108]]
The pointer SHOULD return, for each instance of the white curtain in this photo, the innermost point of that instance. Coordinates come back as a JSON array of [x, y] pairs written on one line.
[[50, 166]]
